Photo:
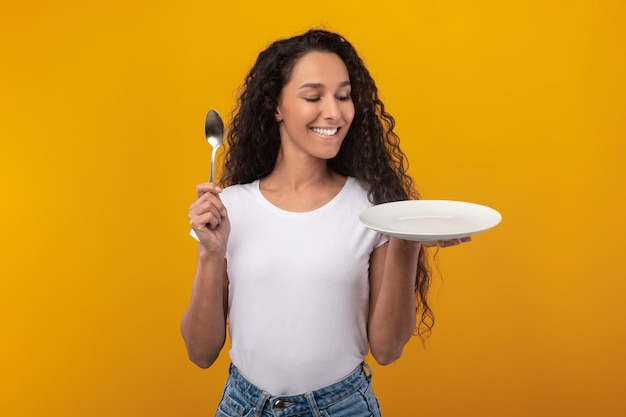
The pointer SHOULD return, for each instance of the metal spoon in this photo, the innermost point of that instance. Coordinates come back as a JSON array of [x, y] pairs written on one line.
[[214, 130]]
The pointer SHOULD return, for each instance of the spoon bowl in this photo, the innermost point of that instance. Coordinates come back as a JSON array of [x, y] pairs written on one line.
[[214, 131]]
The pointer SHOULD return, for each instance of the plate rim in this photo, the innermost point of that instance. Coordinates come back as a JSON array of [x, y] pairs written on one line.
[[431, 236]]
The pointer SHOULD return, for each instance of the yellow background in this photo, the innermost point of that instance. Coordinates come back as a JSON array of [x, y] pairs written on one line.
[[518, 105]]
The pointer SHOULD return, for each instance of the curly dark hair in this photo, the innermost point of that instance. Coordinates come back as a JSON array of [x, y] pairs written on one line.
[[370, 151]]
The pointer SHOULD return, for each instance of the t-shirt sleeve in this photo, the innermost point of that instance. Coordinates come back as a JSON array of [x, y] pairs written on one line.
[[382, 239]]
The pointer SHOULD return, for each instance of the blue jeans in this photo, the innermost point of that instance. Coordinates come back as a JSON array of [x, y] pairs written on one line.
[[350, 397]]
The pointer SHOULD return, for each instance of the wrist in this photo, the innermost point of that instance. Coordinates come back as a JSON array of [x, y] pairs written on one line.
[[207, 255]]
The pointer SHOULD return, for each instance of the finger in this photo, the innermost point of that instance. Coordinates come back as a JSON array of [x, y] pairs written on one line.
[[207, 187], [441, 243], [214, 199], [205, 220], [208, 209], [458, 241], [455, 242], [208, 202]]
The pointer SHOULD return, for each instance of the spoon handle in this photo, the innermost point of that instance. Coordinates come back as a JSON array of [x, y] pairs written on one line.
[[212, 174]]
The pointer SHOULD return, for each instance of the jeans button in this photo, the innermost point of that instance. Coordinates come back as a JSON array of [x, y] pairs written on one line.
[[279, 404]]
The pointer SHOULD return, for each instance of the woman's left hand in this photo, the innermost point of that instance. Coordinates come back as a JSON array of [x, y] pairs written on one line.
[[445, 243]]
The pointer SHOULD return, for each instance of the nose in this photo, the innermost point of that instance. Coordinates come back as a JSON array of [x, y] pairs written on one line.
[[330, 109]]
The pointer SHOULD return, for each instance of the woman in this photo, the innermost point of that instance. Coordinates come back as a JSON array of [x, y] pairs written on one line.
[[305, 289]]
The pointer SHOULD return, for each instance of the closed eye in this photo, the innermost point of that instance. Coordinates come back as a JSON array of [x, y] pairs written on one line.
[[314, 99]]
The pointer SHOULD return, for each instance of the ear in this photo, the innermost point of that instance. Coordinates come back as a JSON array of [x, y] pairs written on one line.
[[278, 115]]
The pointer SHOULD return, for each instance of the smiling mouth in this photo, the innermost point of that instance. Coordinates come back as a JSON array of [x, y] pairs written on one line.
[[325, 132]]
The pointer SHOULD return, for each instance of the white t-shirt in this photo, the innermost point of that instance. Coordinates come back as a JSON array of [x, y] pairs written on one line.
[[299, 288]]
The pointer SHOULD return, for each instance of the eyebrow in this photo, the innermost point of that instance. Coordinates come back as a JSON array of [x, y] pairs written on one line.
[[320, 85]]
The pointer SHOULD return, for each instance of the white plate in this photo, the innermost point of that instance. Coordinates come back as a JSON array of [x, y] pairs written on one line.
[[429, 220]]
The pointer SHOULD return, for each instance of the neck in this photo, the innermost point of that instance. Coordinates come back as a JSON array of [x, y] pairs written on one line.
[[301, 187], [298, 178], [294, 175]]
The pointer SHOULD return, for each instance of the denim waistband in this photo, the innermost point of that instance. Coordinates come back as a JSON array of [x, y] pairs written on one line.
[[293, 404]]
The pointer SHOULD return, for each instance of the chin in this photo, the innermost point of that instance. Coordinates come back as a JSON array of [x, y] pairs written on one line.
[[328, 155]]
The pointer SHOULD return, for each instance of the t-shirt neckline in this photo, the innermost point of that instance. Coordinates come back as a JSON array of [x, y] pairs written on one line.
[[329, 204]]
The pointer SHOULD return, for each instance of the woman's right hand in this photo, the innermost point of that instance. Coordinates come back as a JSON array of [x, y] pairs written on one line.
[[209, 219]]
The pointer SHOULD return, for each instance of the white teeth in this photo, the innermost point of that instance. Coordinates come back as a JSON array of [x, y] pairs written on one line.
[[325, 132]]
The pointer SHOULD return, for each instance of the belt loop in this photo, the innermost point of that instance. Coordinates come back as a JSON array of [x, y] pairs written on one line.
[[260, 404], [368, 371], [315, 411]]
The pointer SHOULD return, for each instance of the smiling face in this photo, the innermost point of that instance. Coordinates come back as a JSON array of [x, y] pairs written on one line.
[[315, 108]]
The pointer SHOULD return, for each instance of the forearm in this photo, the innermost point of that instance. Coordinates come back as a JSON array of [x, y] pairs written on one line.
[[393, 318], [203, 325]]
